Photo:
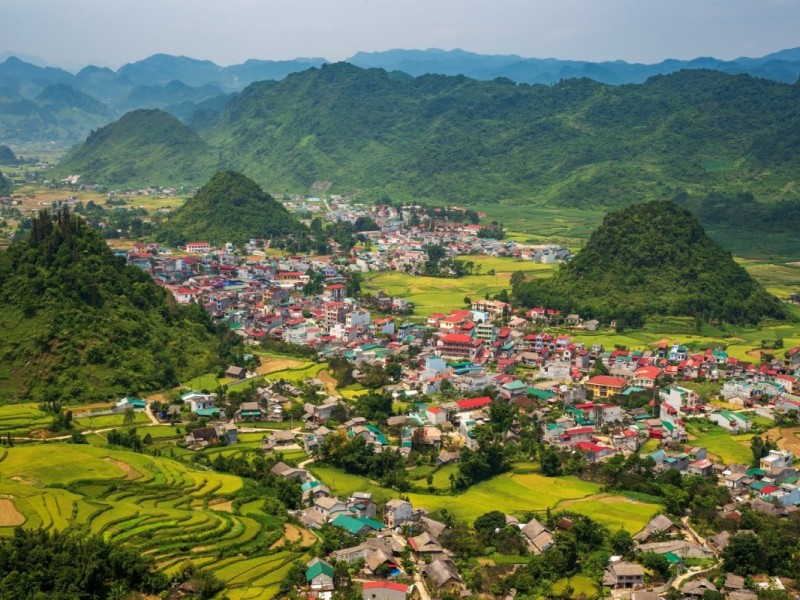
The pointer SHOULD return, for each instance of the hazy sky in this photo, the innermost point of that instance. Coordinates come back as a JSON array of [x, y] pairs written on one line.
[[112, 32]]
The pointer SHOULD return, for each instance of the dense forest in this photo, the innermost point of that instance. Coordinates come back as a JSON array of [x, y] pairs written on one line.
[[575, 143], [40, 564], [652, 259], [231, 208], [76, 322]]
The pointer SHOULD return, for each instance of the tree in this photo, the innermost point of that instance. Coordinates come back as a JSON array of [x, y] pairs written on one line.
[[130, 416], [550, 462], [489, 522], [622, 542], [743, 555], [393, 371], [467, 301]]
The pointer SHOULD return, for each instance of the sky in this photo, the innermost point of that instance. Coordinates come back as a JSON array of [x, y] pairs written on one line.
[[73, 33]]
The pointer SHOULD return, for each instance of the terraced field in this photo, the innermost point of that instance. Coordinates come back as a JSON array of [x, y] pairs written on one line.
[[159, 505]]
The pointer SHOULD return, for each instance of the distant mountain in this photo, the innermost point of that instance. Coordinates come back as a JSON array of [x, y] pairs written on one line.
[[175, 92], [143, 147], [652, 259], [781, 66], [174, 83], [58, 113], [230, 208], [78, 324]]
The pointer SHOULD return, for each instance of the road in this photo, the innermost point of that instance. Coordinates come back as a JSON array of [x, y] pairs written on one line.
[[694, 572]]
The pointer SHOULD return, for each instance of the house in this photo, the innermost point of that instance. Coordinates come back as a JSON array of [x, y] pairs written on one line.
[[202, 436], [386, 590], [319, 575], [354, 526], [659, 524], [777, 459], [396, 512], [330, 507], [235, 372], [425, 543], [623, 574], [249, 411], [646, 377], [697, 587], [604, 386], [538, 537], [199, 401], [734, 422], [443, 577]]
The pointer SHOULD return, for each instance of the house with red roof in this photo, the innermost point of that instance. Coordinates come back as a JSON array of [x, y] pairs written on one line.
[[594, 452], [386, 590], [604, 386], [459, 346], [647, 377], [469, 404]]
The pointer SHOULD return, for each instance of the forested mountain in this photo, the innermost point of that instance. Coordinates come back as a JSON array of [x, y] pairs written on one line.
[[175, 83], [77, 323], [231, 208], [652, 259], [143, 147], [577, 143]]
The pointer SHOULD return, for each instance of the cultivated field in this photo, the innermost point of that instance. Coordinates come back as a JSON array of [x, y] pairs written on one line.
[[511, 493], [728, 448], [159, 505]]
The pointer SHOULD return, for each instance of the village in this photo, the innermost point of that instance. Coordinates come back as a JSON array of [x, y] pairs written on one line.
[[449, 372]]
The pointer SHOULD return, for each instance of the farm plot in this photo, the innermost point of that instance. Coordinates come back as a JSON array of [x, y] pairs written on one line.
[[163, 507]]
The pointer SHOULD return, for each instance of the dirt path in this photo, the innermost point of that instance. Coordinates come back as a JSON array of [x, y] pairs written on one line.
[[565, 503], [9, 515], [328, 381], [130, 472]]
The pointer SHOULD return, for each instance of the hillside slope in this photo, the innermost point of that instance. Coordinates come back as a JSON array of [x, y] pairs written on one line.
[[230, 208], [77, 323], [145, 147], [652, 259], [578, 143]]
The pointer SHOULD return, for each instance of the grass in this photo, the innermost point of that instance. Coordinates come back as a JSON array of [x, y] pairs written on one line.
[[719, 442], [307, 370], [103, 421], [511, 493], [432, 294], [581, 585]]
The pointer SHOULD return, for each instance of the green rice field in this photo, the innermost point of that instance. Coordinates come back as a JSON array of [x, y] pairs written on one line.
[[159, 505]]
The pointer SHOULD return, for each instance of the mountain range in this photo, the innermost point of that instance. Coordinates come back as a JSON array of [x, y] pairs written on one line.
[[576, 143], [180, 84]]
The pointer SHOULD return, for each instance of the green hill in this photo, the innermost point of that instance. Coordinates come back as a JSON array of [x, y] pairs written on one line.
[[145, 147], [76, 323], [7, 156], [652, 259], [231, 208], [577, 143]]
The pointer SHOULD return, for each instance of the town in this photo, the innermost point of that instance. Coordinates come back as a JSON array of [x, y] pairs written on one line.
[[440, 403]]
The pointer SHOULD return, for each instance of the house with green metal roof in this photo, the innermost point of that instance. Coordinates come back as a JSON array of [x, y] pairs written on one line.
[[735, 422], [357, 525], [319, 574]]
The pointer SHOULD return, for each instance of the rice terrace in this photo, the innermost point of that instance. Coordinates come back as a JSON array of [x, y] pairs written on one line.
[[163, 507]]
